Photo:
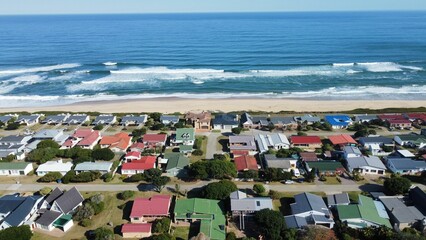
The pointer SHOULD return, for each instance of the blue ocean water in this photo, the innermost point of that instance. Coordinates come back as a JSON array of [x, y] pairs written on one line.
[[47, 60]]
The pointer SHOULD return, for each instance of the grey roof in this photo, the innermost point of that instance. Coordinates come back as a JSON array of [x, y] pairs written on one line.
[[246, 118], [321, 219], [306, 202], [419, 198], [28, 118], [359, 162], [13, 138], [365, 117], [247, 142], [400, 211], [352, 150], [293, 221], [4, 154], [48, 133], [338, 199], [55, 118], [54, 195], [170, 118], [48, 218], [264, 141], [376, 195], [237, 195], [272, 161], [76, 119], [307, 118], [263, 121], [251, 204], [136, 119], [104, 119], [69, 200], [225, 119], [9, 203], [5, 119], [93, 166], [19, 214], [379, 140], [11, 147], [282, 120], [407, 164]]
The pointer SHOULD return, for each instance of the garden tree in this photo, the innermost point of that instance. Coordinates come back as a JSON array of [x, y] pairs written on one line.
[[98, 127], [77, 154], [160, 182], [67, 177], [357, 127], [155, 116], [327, 147], [180, 124], [9, 158], [42, 155], [12, 126], [289, 234], [198, 142], [259, 188], [22, 232], [372, 132], [216, 169], [83, 212], [310, 176], [157, 126], [301, 134], [86, 176], [2, 124], [162, 225], [326, 126], [276, 174], [50, 177], [137, 133], [219, 190], [44, 191], [250, 174], [126, 195], [231, 236], [47, 144], [197, 152], [222, 157], [86, 222], [361, 133], [97, 203], [284, 153], [396, 185], [236, 130], [164, 236], [270, 223], [356, 176], [105, 154], [135, 178], [198, 170], [317, 233], [152, 173], [103, 233]]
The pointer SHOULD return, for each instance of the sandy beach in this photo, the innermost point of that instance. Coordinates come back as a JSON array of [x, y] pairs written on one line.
[[171, 105]]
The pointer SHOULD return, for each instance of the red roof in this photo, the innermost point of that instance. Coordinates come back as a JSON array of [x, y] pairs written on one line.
[[157, 205], [89, 139], [145, 163], [390, 116], [305, 140], [341, 139], [136, 227], [424, 156], [120, 140], [245, 162], [154, 138], [240, 152], [421, 116], [308, 156], [399, 121], [81, 133], [138, 145], [133, 154]]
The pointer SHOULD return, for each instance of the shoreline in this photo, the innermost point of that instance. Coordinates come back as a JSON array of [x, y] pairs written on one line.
[[172, 105]]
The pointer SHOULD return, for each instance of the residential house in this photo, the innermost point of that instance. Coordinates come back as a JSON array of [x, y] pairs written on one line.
[[225, 122], [54, 166], [5, 119], [242, 143], [246, 121], [411, 140], [84, 138], [308, 119], [15, 168], [366, 165], [131, 156], [17, 150], [199, 120], [243, 207], [351, 151], [275, 141], [326, 167], [68, 202], [154, 140], [47, 220], [184, 136], [391, 116], [418, 118], [401, 214], [77, 119], [56, 135], [366, 213], [105, 119], [286, 164], [404, 153], [169, 119], [118, 142], [209, 213], [308, 143], [309, 209], [381, 141], [338, 121], [18, 210], [137, 147], [418, 199], [342, 140], [149, 209], [132, 120], [399, 123], [138, 166], [365, 118], [28, 120], [245, 163], [308, 157], [334, 200], [287, 123], [405, 165], [102, 167], [136, 230], [186, 149], [15, 140], [55, 119], [176, 164]]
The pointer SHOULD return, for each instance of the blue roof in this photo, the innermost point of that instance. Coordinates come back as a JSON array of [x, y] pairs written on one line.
[[19, 214], [338, 120], [9, 203]]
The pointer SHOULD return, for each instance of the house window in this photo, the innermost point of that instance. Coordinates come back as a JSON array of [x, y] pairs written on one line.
[[258, 203]]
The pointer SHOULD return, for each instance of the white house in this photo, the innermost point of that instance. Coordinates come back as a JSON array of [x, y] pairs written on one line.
[[16, 210], [366, 165], [28, 120], [351, 151], [15, 168], [275, 141], [131, 120], [54, 166], [102, 167]]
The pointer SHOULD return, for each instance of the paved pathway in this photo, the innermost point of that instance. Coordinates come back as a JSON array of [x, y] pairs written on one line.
[[211, 144]]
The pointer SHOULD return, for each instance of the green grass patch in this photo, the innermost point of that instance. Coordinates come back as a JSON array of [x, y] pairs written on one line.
[[332, 181], [181, 233]]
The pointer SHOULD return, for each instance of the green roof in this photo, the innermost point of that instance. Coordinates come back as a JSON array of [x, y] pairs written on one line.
[[185, 134], [208, 211], [176, 160], [414, 138], [60, 222], [366, 210], [13, 165], [325, 165], [185, 148]]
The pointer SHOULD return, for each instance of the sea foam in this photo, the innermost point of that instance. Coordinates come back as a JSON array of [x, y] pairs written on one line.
[[38, 69]]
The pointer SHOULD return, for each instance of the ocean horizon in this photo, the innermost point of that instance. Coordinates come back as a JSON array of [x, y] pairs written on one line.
[[50, 60]]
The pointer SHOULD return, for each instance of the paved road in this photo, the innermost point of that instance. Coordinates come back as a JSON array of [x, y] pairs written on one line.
[[211, 144], [145, 187]]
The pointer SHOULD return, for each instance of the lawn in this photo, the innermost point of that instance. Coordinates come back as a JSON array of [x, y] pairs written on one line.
[[203, 148], [353, 196], [331, 181], [181, 233]]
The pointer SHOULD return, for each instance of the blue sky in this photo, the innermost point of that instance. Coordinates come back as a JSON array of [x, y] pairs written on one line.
[[182, 6]]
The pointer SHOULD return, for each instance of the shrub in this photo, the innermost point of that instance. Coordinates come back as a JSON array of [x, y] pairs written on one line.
[[97, 207], [103, 154], [47, 144], [67, 177], [135, 178], [98, 127], [197, 152], [50, 177], [16, 233], [103, 233], [126, 195], [44, 191], [301, 134], [396, 185], [231, 236], [198, 143], [85, 177], [219, 190], [162, 225], [86, 222], [12, 126], [107, 177], [137, 133], [83, 212], [236, 130], [259, 188], [42, 155]]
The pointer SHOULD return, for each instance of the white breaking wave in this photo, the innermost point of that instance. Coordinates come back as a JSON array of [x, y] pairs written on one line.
[[343, 64], [38, 69], [9, 85], [386, 67], [109, 63]]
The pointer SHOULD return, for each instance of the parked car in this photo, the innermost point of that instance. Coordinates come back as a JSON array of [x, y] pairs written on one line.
[[288, 182]]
